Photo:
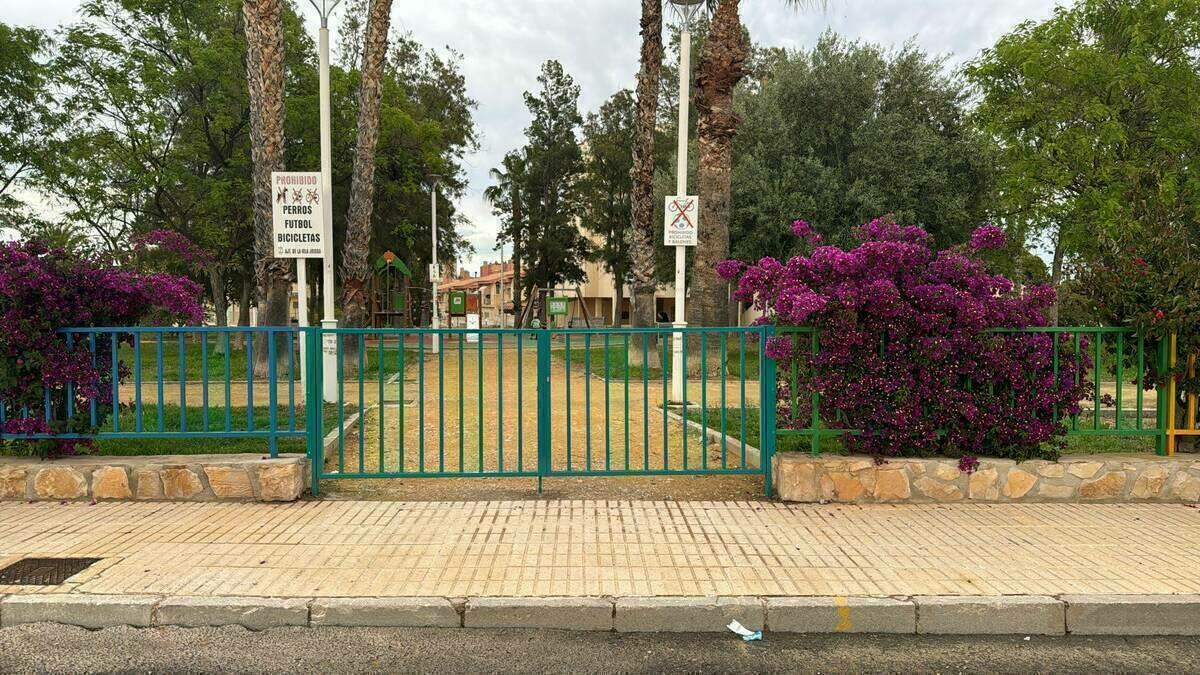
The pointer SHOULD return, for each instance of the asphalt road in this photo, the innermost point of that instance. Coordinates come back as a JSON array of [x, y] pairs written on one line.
[[52, 648]]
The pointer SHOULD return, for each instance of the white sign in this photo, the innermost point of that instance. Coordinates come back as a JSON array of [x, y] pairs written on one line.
[[297, 214], [329, 344], [472, 324], [435, 272], [681, 221]]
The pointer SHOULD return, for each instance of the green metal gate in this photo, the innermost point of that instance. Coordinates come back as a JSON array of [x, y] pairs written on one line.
[[420, 403]]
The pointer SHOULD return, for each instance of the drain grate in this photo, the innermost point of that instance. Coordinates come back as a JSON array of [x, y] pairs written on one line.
[[43, 571]]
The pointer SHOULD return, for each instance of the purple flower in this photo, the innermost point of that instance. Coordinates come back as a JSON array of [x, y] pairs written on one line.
[[989, 237], [730, 269]]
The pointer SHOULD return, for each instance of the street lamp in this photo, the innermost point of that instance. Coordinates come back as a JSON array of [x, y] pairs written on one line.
[[435, 270], [328, 320], [685, 11]]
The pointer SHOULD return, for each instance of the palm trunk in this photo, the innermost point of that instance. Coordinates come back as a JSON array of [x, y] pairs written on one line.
[[356, 270], [216, 281], [642, 233], [264, 70], [719, 71]]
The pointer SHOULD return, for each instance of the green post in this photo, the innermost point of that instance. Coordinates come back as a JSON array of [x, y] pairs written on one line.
[[766, 409], [816, 395], [314, 405], [543, 406], [1161, 402]]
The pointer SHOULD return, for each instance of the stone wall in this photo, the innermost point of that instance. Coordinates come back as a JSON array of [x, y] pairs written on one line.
[[1093, 478], [194, 478]]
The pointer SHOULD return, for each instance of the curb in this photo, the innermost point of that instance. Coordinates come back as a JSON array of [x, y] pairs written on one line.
[[1069, 614]]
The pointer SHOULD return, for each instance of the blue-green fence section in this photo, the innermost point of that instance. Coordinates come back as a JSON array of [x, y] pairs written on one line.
[[1114, 352], [541, 403], [180, 383]]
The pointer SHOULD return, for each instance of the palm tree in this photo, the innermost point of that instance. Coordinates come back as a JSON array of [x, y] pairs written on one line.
[[265, 78], [642, 248], [505, 192], [720, 69], [356, 269]]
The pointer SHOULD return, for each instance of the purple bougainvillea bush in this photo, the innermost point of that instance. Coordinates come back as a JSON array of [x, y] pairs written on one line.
[[43, 290], [908, 351]]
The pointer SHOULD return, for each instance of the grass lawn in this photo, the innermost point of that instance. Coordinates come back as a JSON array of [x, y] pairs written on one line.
[[193, 359], [618, 358], [204, 446], [1076, 444]]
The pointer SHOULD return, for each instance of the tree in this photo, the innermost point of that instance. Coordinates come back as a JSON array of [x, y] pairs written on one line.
[[505, 196], [24, 113], [893, 136], [607, 185], [552, 246], [1096, 113], [722, 66], [356, 267], [643, 211], [265, 76]]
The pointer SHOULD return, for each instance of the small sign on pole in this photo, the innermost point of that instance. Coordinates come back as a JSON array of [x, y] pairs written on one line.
[[473, 325], [681, 221], [297, 217], [457, 303]]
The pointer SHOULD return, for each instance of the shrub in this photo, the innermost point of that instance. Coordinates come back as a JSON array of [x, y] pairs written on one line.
[[43, 290], [908, 351]]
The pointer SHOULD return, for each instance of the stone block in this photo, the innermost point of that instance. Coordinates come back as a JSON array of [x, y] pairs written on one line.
[[111, 482], [558, 613], [946, 471], [387, 612], [1186, 488], [149, 484], [252, 613], [846, 487], [841, 615], [1133, 614], [990, 615], [86, 611], [181, 483], [687, 615], [891, 485], [796, 479], [1051, 491], [280, 482], [1108, 486], [1150, 484], [12, 483], [1018, 483], [1084, 469], [935, 489], [60, 482], [1052, 471], [982, 485], [229, 482]]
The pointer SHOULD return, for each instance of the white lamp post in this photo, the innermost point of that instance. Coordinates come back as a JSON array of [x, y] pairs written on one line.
[[685, 11], [328, 319], [435, 270]]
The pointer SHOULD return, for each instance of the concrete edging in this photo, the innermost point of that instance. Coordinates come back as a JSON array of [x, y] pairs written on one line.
[[946, 615]]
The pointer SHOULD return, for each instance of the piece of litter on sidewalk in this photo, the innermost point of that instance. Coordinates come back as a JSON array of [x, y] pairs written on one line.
[[747, 634]]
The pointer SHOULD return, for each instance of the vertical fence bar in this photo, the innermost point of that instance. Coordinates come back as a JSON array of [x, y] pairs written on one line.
[[341, 432], [1160, 399], [382, 404], [704, 401], [116, 382], [1099, 374], [1141, 378], [665, 399], [724, 385], [462, 424], [362, 410], [158, 352], [684, 403], [742, 368], [1078, 376], [520, 338], [543, 406], [567, 387], [204, 382], [1120, 376], [1173, 363], [228, 383], [626, 357], [815, 342], [272, 395], [182, 383], [291, 374], [441, 421], [587, 398], [421, 401], [94, 414], [500, 401], [607, 406], [479, 379], [767, 408], [403, 403], [70, 393], [314, 406], [1190, 422], [250, 381], [645, 402]]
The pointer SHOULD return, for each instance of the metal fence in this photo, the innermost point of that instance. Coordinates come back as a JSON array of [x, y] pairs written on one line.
[[1113, 353], [459, 403]]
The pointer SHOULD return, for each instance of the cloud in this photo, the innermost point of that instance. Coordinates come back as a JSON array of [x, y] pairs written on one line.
[[504, 43]]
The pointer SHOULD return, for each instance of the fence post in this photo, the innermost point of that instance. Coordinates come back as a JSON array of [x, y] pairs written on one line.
[[314, 405], [543, 405], [767, 373]]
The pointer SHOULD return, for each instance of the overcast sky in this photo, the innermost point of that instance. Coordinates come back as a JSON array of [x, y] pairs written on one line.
[[503, 43]]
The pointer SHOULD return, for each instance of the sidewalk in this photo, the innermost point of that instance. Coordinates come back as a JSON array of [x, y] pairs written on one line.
[[465, 552]]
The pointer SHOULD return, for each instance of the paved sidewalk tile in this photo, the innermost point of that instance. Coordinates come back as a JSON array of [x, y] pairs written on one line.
[[609, 549]]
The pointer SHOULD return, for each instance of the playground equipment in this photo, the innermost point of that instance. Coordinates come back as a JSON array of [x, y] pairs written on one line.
[[390, 288], [556, 305]]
